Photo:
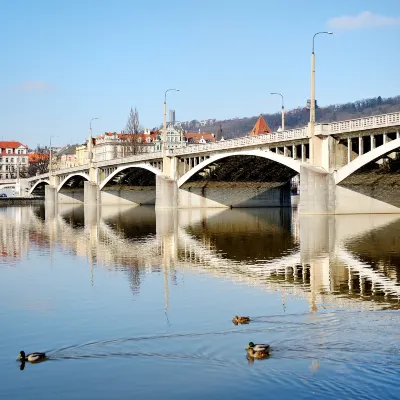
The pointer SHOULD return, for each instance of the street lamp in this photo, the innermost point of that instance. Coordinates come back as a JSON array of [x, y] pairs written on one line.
[[283, 111], [50, 154], [165, 121], [312, 96], [90, 144]]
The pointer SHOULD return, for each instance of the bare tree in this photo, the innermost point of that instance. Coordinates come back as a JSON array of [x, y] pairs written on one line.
[[130, 138], [132, 125]]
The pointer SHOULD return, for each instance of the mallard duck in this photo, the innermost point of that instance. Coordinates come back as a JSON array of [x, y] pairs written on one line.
[[241, 320], [258, 347], [257, 354], [32, 357]]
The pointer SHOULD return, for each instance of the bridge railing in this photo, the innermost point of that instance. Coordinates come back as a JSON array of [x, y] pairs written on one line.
[[358, 124], [244, 141], [126, 160]]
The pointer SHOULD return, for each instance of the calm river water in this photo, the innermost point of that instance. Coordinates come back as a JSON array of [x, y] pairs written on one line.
[[134, 303]]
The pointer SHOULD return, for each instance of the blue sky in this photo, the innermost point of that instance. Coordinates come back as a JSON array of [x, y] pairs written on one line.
[[64, 62]]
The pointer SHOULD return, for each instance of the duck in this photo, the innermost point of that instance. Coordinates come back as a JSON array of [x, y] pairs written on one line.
[[258, 348], [32, 357], [240, 320], [260, 355]]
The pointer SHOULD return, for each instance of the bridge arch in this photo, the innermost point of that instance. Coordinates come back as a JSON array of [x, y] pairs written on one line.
[[387, 148], [83, 175], [269, 155], [40, 182], [145, 166]]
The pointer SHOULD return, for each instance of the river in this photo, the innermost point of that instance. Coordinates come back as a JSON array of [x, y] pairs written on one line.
[[133, 303]]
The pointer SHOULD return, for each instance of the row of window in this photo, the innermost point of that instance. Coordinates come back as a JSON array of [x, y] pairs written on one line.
[[17, 151], [12, 160]]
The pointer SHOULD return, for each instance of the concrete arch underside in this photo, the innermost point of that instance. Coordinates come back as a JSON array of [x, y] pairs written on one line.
[[202, 194], [144, 166], [43, 181], [135, 195], [85, 176], [269, 155], [365, 159]]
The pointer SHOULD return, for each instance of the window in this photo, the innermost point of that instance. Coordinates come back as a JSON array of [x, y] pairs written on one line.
[[6, 176], [6, 159]]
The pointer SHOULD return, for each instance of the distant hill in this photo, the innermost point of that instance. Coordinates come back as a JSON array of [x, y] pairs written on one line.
[[300, 117]]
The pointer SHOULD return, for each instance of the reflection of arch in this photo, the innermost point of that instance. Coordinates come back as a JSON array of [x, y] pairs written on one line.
[[148, 167], [269, 155], [366, 158], [45, 181], [86, 176]]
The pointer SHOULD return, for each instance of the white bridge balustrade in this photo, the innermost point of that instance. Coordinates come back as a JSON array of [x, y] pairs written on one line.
[[324, 157]]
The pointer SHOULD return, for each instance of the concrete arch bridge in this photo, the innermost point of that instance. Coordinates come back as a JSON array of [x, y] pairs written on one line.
[[344, 167]]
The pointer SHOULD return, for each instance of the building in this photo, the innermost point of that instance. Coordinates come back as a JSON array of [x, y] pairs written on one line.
[[172, 116], [13, 159], [260, 127], [66, 157], [113, 145], [81, 154], [199, 137]]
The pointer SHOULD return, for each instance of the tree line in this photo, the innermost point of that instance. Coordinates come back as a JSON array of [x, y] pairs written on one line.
[[300, 116]]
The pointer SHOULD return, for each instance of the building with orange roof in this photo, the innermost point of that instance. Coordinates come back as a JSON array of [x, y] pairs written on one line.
[[13, 158], [111, 145], [199, 137], [260, 127]]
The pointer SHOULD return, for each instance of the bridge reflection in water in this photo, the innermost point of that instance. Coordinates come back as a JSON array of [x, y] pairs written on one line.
[[332, 261]]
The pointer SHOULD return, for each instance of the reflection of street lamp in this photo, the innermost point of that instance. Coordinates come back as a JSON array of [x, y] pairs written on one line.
[[312, 96], [164, 144], [90, 144], [283, 111]]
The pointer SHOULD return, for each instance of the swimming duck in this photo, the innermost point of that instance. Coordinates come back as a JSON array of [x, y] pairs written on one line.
[[251, 354], [241, 320], [32, 357], [258, 348]]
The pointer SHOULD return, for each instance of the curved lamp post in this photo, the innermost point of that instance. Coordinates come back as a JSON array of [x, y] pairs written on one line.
[[283, 111], [50, 161], [312, 95], [90, 144]]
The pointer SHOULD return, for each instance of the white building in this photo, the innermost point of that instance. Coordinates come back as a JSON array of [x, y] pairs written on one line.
[[13, 159], [113, 145]]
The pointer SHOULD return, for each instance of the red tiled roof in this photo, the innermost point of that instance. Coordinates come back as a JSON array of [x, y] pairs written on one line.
[[260, 127], [11, 145], [207, 136], [35, 157]]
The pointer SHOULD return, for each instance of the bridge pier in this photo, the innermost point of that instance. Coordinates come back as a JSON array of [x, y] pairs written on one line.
[[166, 192], [50, 195], [91, 194]]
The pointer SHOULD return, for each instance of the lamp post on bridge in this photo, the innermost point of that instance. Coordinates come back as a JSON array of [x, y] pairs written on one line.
[[164, 144], [283, 111], [312, 94], [90, 144], [50, 155]]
